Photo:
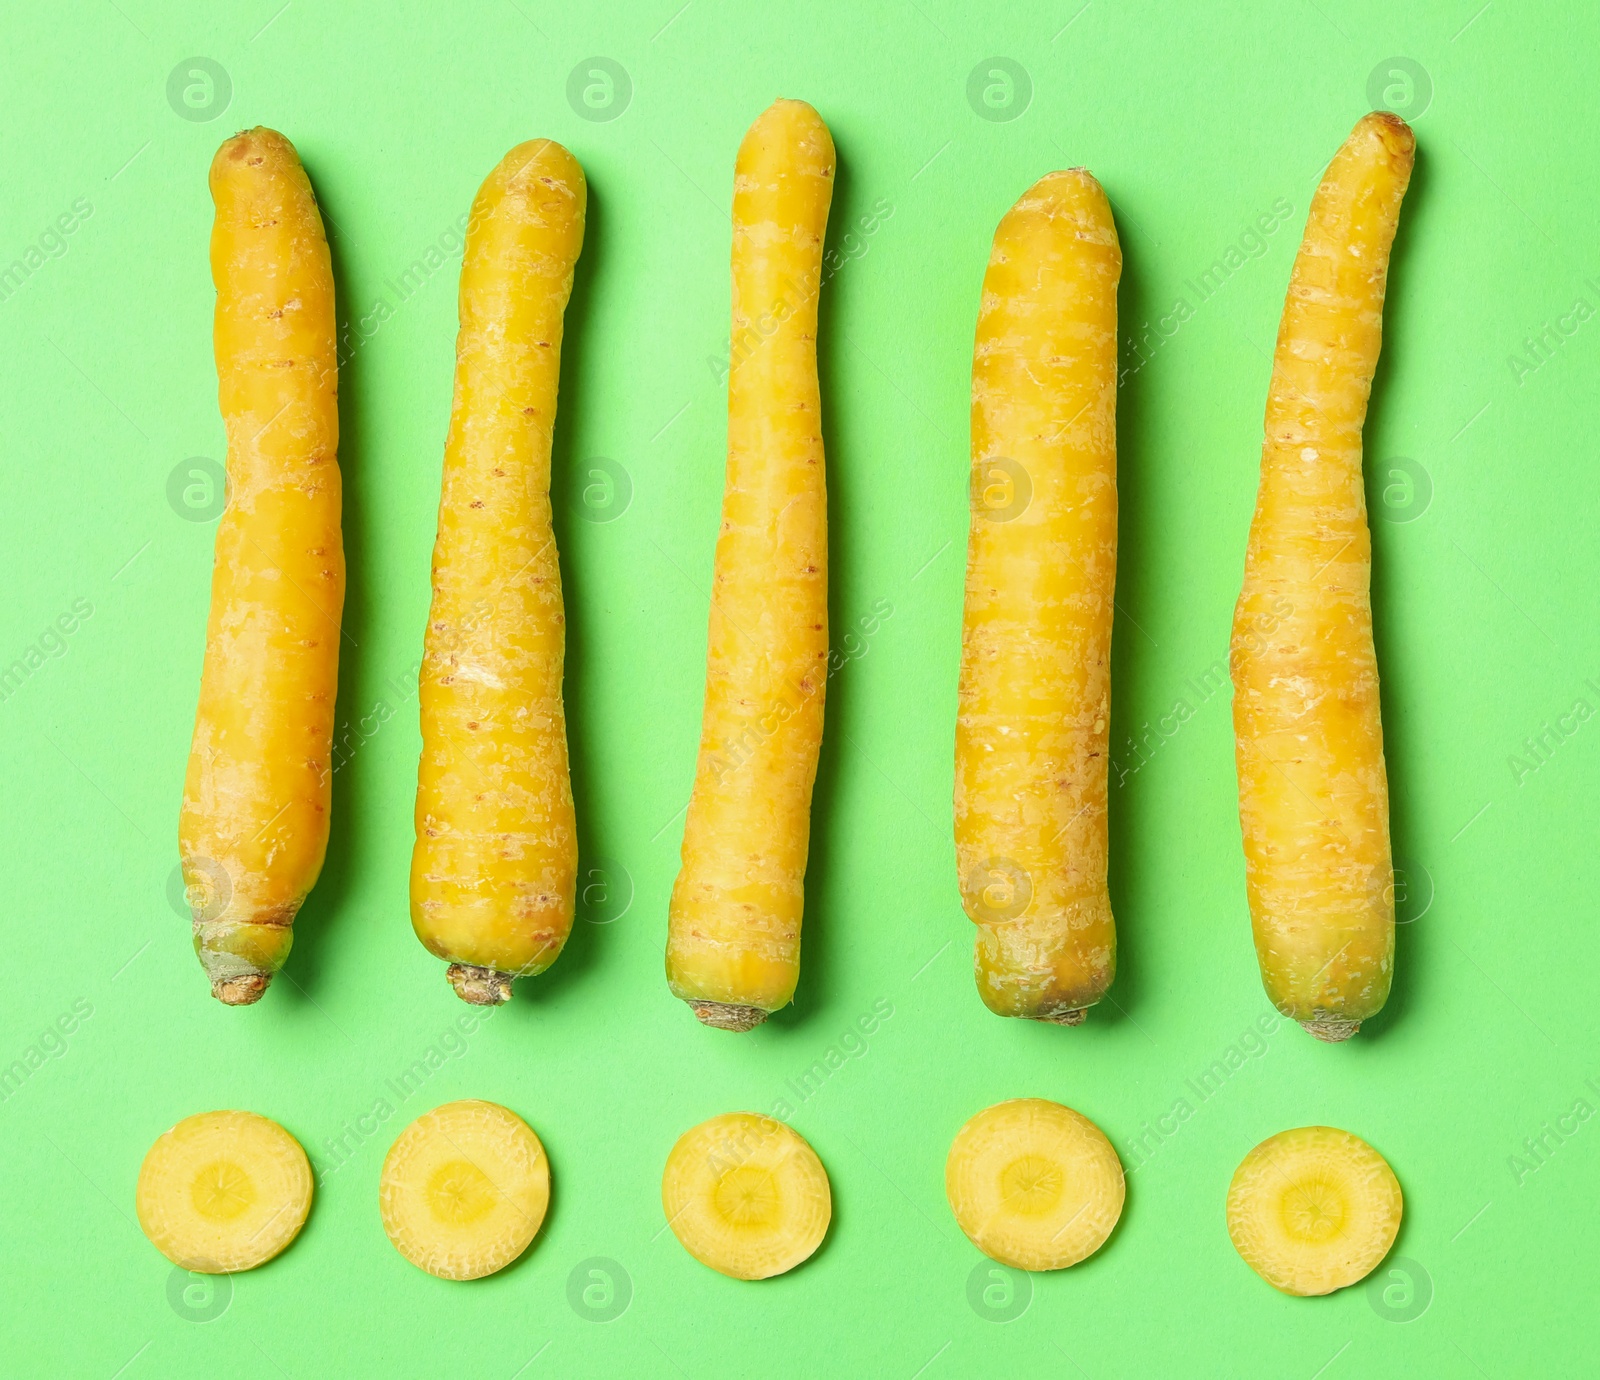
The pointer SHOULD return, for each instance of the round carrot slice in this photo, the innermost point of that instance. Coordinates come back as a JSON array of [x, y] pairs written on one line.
[[1033, 1184], [746, 1195], [223, 1191], [464, 1189], [1314, 1209]]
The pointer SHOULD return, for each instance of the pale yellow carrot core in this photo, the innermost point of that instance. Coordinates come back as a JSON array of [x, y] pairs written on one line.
[[1033, 1184], [223, 1191], [1314, 1209], [1035, 709], [734, 930], [1313, 795], [494, 872], [464, 1190], [746, 1195], [254, 826]]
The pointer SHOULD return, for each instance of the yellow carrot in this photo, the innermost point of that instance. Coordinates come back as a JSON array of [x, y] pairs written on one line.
[[496, 860], [1035, 699], [733, 951], [254, 827], [1313, 796]]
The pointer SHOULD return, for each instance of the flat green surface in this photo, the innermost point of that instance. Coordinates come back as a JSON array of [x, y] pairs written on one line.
[[1197, 125]]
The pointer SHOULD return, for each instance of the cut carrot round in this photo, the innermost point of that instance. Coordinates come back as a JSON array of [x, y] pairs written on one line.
[[464, 1189], [1033, 1184], [223, 1191], [746, 1195], [1314, 1209]]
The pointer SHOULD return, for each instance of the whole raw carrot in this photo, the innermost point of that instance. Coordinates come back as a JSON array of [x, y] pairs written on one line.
[[1313, 795], [733, 948], [254, 827], [1035, 700], [495, 867]]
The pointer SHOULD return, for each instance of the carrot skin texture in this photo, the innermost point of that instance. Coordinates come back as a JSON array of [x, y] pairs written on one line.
[[1313, 792], [254, 825], [494, 871], [1033, 730], [734, 926]]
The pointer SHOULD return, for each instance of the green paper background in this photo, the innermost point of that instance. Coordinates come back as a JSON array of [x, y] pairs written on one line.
[[1197, 123]]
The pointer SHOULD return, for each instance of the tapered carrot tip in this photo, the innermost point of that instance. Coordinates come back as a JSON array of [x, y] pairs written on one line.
[[723, 1015], [1396, 134], [479, 986], [1330, 1029], [241, 991]]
